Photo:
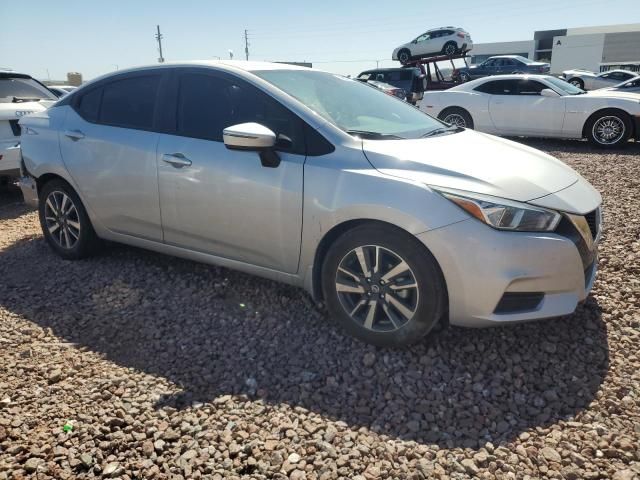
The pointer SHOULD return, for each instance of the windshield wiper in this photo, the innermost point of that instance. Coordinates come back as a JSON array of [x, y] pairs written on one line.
[[373, 135], [25, 99], [440, 131]]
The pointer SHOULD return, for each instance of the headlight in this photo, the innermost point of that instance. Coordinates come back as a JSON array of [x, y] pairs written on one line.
[[504, 214]]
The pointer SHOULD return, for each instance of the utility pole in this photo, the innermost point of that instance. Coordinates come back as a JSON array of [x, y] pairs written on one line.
[[246, 44], [159, 39]]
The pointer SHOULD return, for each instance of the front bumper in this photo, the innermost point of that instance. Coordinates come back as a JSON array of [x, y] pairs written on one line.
[[480, 265], [636, 127]]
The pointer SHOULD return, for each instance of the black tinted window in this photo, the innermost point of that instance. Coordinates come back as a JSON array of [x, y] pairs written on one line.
[[209, 104], [499, 87], [130, 102], [88, 104], [530, 87]]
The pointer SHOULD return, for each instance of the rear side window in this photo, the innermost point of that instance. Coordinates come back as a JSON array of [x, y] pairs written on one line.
[[88, 105], [208, 104], [530, 87], [499, 87], [130, 102]]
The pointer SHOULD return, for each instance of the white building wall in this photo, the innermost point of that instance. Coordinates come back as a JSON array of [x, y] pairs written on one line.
[[626, 27], [577, 51], [504, 48]]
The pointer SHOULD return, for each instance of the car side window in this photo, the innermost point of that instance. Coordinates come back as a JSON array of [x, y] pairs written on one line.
[[208, 104], [423, 37], [530, 87], [88, 104], [130, 102], [490, 63], [499, 87]]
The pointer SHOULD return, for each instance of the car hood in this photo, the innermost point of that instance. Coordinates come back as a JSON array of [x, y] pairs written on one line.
[[608, 93], [579, 73], [474, 162], [12, 111]]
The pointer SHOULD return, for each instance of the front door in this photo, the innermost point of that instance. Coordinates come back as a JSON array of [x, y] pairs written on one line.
[[517, 108], [225, 202], [109, 147]]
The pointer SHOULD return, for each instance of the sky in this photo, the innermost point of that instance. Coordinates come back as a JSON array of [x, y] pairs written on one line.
[[48, 39]]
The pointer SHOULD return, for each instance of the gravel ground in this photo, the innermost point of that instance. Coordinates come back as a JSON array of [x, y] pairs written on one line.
[[170, 369]]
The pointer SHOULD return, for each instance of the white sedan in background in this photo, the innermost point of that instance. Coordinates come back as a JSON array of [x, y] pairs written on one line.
[[587, 80], [538, 106]]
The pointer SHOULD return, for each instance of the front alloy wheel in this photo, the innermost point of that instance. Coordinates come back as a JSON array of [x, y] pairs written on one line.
[[455, 119], [608, 130], [377, 288], [62, 219]]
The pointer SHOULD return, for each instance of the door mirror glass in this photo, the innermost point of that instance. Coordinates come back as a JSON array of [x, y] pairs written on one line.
[[249, 136], [547, 92]]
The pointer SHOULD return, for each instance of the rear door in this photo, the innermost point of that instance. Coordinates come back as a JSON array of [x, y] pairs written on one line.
[[225, 202], [109, 147]]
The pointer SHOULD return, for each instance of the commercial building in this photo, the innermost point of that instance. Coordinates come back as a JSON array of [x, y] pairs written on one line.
[[592, 48]]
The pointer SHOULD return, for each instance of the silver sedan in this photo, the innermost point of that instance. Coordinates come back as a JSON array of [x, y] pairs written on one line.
[[392, 218]]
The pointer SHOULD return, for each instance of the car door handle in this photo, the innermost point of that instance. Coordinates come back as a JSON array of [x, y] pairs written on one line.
[[178, 160], [74, 134]]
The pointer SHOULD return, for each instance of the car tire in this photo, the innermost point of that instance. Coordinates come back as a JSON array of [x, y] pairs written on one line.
[[465, 77], [576, 82], [404, 56], [456, 116], [450, 49], [378, 310], [609, 128], [65, 224]]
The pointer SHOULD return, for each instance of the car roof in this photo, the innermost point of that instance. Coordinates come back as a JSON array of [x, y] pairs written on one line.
[[13, 74], [444, 28], [390, 69], [620, 70], [514, 76]]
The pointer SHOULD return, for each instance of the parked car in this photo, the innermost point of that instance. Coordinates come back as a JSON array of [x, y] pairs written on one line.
[[319, 181], [629, 86], [410, 79], [538, 106], [500, 65], [389, 89], [20, 94], [437, 41], [61, 90], [587, 80]]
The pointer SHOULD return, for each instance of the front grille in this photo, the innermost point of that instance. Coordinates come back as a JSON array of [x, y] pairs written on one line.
[[518, 302], [15, 127], [592, 220]]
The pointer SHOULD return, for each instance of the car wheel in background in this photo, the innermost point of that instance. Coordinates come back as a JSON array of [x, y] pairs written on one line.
[[450, 48], [383, 286], [576, 82], [464, 77], [404, 56], [65, 223], [456, 116], [609, 128]]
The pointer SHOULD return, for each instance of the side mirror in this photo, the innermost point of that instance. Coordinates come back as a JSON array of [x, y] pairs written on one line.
[[253, 136], [248, 136], [547, 92]]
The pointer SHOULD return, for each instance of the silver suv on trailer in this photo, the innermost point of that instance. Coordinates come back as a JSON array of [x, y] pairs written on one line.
[[390, 216]]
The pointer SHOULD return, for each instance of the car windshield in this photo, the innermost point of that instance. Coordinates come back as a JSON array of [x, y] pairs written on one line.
[[564, 87], [352, 106], [23, 89]]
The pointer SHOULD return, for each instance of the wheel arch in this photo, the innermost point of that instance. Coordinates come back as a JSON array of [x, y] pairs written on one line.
[[340, 229], [603, 111]]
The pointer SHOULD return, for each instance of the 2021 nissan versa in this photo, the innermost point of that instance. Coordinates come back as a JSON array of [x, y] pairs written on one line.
[[390, 216]]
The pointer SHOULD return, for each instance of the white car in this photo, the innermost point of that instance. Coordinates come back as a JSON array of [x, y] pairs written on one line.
[[437, 41], [630, 86], [537, 106], [20, 95], [587, 80], [61, 90]]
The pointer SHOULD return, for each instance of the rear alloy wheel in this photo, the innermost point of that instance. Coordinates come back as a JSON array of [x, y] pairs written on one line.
[[576, 82], [404, 56], [450, 49], [383, 286], [610, 129], [457, 117], [65, 223]]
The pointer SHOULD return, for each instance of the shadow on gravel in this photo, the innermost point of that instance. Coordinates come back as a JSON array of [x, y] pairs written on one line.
[[11, 202], [216, 332]]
